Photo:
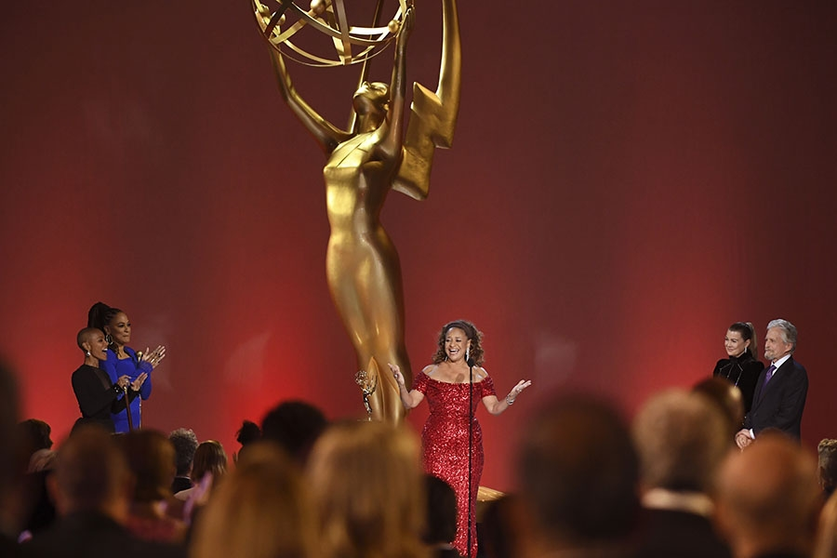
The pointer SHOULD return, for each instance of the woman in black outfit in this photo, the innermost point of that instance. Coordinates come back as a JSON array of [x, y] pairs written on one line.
[[97, 397], [742, 368]]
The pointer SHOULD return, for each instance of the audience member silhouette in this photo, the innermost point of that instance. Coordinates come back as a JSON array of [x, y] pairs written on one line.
[[681, 439], [91, 487], [209, 467], [150, 457], [768, 499], [827, 465], [826, 544], [12, 466], [578, 474], [246, 435], [185, 443], [295, 426], [368, 492], [37, 508], [728, 398], [440, 528], [499, 530], [261, 510]]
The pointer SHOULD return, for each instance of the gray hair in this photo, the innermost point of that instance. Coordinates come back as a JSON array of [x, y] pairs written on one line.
[[788, 331], [185, 444], [681, 439]]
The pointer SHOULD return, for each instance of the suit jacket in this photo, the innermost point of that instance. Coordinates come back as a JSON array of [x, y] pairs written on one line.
[[781, 402]]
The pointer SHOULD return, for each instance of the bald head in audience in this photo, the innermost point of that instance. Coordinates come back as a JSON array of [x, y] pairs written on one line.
[[578, 474], [769, 499]]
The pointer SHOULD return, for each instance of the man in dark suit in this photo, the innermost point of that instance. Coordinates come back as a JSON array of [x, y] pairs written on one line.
[[781, 389], [681, 439]]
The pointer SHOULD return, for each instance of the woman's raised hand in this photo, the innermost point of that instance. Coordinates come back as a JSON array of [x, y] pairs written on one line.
[[396, 373], [518, 389], [154, 357], [137, 384], [123, 381]]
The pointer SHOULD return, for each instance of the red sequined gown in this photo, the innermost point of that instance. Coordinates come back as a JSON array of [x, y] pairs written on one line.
[[445, 442]]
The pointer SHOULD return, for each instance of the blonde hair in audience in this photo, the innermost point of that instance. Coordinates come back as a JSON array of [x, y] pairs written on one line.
[[261, 510], [368, 490], [827, 534]]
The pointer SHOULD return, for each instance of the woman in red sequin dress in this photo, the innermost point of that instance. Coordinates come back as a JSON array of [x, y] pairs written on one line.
[[445, 384]]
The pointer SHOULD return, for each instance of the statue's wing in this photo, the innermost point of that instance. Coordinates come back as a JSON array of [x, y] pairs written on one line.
[[433, 115]]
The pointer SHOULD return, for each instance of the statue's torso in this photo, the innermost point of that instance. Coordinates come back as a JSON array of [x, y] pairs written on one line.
[[357, 180]]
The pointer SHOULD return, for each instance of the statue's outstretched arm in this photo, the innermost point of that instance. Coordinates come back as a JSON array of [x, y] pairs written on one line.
[[433, 116], [391, 143], [326, 134]]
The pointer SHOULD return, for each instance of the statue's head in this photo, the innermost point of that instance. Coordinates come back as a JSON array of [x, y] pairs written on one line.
[[371, 98]]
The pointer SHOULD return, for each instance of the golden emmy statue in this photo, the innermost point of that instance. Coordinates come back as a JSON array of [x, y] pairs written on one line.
[[364, 163]]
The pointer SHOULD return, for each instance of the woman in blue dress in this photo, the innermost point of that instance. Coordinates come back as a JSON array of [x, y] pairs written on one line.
[[122, 360]]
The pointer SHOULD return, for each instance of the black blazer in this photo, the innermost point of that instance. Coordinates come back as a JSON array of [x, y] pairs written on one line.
[[781, 403]]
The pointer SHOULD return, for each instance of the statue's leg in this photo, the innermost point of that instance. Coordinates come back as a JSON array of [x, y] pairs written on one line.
[[365, 283]]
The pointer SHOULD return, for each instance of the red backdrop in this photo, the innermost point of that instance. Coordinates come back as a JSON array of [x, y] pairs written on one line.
[[627, 179]]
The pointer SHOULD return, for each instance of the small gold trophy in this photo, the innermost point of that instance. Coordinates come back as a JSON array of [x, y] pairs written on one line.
[[367, 383]]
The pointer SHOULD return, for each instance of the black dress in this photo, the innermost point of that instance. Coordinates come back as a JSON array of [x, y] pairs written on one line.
[[97, 397], [742, 371]]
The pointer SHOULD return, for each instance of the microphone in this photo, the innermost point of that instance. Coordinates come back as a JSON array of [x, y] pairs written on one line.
[[470, 362]]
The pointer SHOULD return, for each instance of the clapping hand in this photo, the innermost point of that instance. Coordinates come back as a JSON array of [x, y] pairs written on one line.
[[137, 384], [154, 357], [123, 381]]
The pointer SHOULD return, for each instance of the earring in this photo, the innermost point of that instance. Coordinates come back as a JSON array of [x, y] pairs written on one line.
[[87, 353], [467, 353], [108, 339]]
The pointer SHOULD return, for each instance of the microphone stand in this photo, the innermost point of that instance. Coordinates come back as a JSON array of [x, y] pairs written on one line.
[[470, 447], [128, 408]]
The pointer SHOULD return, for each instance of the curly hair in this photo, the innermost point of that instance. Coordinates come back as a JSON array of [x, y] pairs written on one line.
[[471, 332]]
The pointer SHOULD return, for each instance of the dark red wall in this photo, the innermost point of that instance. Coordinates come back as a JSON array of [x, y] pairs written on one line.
[[628, 178]]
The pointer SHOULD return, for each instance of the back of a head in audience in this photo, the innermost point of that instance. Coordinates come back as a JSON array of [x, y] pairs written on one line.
[[91, 474], [185, 443], [295, 426], [441, 512], [499, 522], [210, 457], [151, 458], [578, 474], [768, 498], [681, 439], [248, 433], [367, 488], [729, 400], [34, 434], [262, 510], [827, 460]]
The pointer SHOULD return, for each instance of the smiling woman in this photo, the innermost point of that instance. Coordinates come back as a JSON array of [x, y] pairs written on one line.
[[97, 397], [121, 360], [453, 400]]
